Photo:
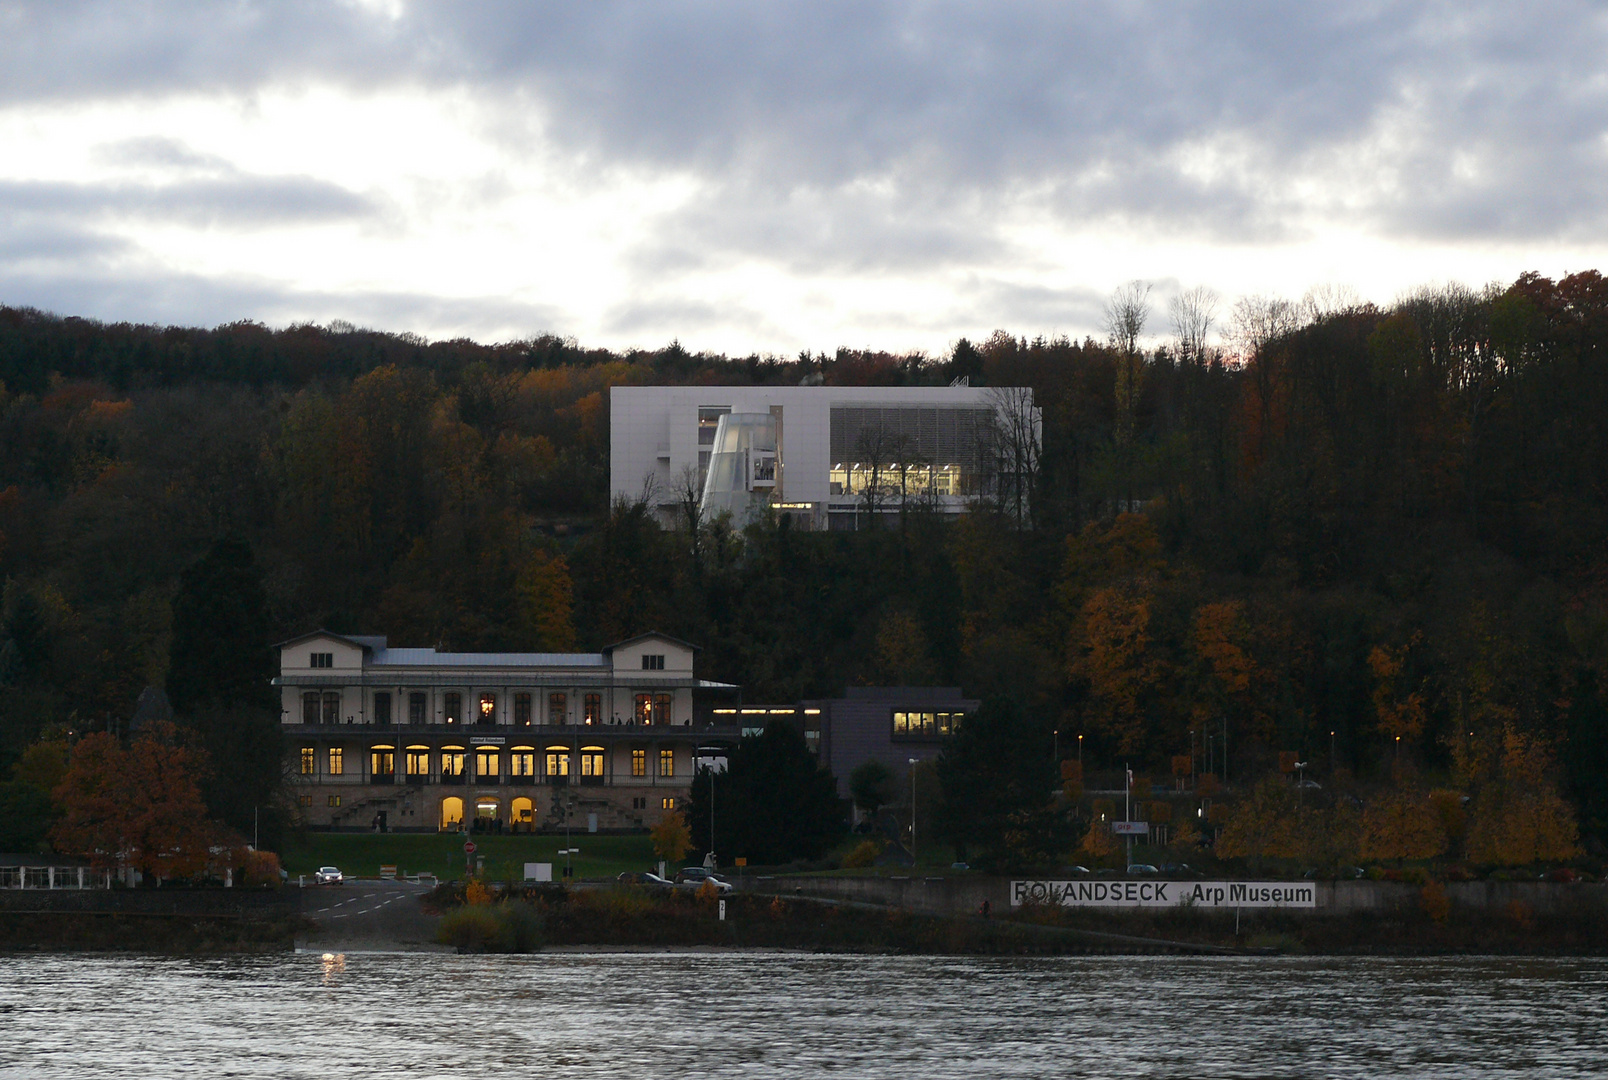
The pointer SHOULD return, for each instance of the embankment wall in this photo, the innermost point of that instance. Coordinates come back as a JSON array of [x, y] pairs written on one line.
[[956, 895]]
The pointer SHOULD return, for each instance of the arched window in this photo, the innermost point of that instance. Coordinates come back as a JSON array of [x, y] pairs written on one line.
[[591, 764], [522, 765], [418, 764], [452, 765], [558, 764], [382, 764], [486, 758]]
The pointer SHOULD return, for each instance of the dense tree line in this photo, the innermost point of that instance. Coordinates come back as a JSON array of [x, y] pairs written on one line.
[[1376, 532]]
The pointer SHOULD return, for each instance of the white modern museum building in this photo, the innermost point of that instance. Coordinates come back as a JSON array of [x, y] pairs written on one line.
[[827, 456]]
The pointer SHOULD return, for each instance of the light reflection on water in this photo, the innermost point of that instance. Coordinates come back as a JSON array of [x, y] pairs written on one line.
[[760, 1015]]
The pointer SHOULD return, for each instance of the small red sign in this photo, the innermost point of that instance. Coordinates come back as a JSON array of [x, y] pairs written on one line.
[[468, 847]]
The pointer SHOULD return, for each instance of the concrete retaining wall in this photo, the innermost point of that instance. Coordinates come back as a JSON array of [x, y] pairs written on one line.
[[200, 903], [965, 894]]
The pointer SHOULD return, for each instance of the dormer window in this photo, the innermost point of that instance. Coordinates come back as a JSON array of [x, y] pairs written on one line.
[[653, 662], [322, 659]]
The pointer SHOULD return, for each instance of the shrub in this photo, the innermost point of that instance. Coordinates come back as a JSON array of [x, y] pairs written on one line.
[[476, 892], [864, 854], [511, 926], [473, 928], [261, 870], [1433, 899]]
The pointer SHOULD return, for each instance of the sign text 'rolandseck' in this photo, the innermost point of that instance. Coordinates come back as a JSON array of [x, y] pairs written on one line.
[[1206, 894]]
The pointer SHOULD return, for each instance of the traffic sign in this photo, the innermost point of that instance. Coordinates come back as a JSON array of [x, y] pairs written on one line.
[[468, 847], [1131, 828]]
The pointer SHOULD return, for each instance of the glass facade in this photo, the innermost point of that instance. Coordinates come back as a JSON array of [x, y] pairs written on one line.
[[743, 469], [926, 724]]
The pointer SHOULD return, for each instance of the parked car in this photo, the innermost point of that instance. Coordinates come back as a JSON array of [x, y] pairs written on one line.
[[646, 878], [693, 877], [328, 875], [1142, 868], [1075, 871]]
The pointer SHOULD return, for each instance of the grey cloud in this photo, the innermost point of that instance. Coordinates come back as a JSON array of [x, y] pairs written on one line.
[[249, 201]]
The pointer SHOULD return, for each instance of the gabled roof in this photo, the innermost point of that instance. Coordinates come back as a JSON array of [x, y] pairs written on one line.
[[367, 644], [654, 634]]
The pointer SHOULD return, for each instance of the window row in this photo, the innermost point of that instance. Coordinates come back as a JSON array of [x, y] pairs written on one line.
[[324, 708], [926, 723], [453, 760]]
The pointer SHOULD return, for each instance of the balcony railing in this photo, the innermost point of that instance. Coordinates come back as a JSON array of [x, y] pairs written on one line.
[[449, 778], [383, 778]]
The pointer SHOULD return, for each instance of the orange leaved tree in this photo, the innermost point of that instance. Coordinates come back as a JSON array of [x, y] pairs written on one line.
[[136, 807]]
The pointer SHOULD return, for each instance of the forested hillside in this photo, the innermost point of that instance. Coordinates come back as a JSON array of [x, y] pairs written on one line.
[[1381, 531]]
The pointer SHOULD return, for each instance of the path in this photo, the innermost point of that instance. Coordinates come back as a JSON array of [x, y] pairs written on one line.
[[365, 915]]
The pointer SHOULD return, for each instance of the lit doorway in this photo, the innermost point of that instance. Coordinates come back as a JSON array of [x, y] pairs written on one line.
[[451, 813]]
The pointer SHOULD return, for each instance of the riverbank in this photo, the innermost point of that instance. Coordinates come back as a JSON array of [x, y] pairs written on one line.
[[636, 918]]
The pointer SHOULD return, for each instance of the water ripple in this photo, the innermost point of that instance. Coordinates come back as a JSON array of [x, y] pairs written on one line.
[[770, 1015]]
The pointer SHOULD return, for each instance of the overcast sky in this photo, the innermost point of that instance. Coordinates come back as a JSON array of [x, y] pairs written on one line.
[[765, 177]]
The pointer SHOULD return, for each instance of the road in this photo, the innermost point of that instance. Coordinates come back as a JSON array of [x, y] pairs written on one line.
[[366, 915]]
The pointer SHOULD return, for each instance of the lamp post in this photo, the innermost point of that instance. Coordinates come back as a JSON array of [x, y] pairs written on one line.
[[913, 810], [711, 751], [1300, 783], [1331, 754], [1080, 753]]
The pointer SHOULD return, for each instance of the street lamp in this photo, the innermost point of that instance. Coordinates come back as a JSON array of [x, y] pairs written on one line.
[[1300, 783], [913, 810], [1080, 753]]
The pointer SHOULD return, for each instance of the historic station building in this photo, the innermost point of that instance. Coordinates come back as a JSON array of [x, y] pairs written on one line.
[[416, 739]]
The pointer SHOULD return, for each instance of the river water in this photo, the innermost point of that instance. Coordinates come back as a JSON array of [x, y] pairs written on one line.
[[762, 1015]]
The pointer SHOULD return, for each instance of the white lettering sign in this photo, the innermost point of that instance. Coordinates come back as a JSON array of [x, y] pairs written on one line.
[[1205, 894]]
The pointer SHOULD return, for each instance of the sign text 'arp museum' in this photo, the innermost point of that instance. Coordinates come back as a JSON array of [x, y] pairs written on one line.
[[1206, 894]]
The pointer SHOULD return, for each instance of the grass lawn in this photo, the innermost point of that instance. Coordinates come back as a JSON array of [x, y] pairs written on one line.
[[441, 854]]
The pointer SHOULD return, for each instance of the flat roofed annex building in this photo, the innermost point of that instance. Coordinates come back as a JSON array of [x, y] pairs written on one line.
[[826, 455], [416, 739]]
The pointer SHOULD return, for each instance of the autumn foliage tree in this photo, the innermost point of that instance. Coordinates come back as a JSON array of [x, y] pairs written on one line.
[[136, 806], [1518, 815]]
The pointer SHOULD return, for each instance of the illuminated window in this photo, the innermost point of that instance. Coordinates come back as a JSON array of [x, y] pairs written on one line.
[[488, 709], [486, 764], [668, 802], [417, 703], [522, 761], [337, 761], [644, 708], [382, 761], [382, 708], [332, 707], [334, 800], [661, 708], [653, 662], [322, 659], [452, 764], [418, 763], [667, 762], [591, 761], [309, 761], [522, 710], [639, 763], [594, 708], [452, 704], [557, 709], [557, 761], [305, 800], [901, 723]]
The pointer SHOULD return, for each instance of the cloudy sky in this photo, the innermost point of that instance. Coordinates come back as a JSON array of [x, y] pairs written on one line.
[[770, 177]]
